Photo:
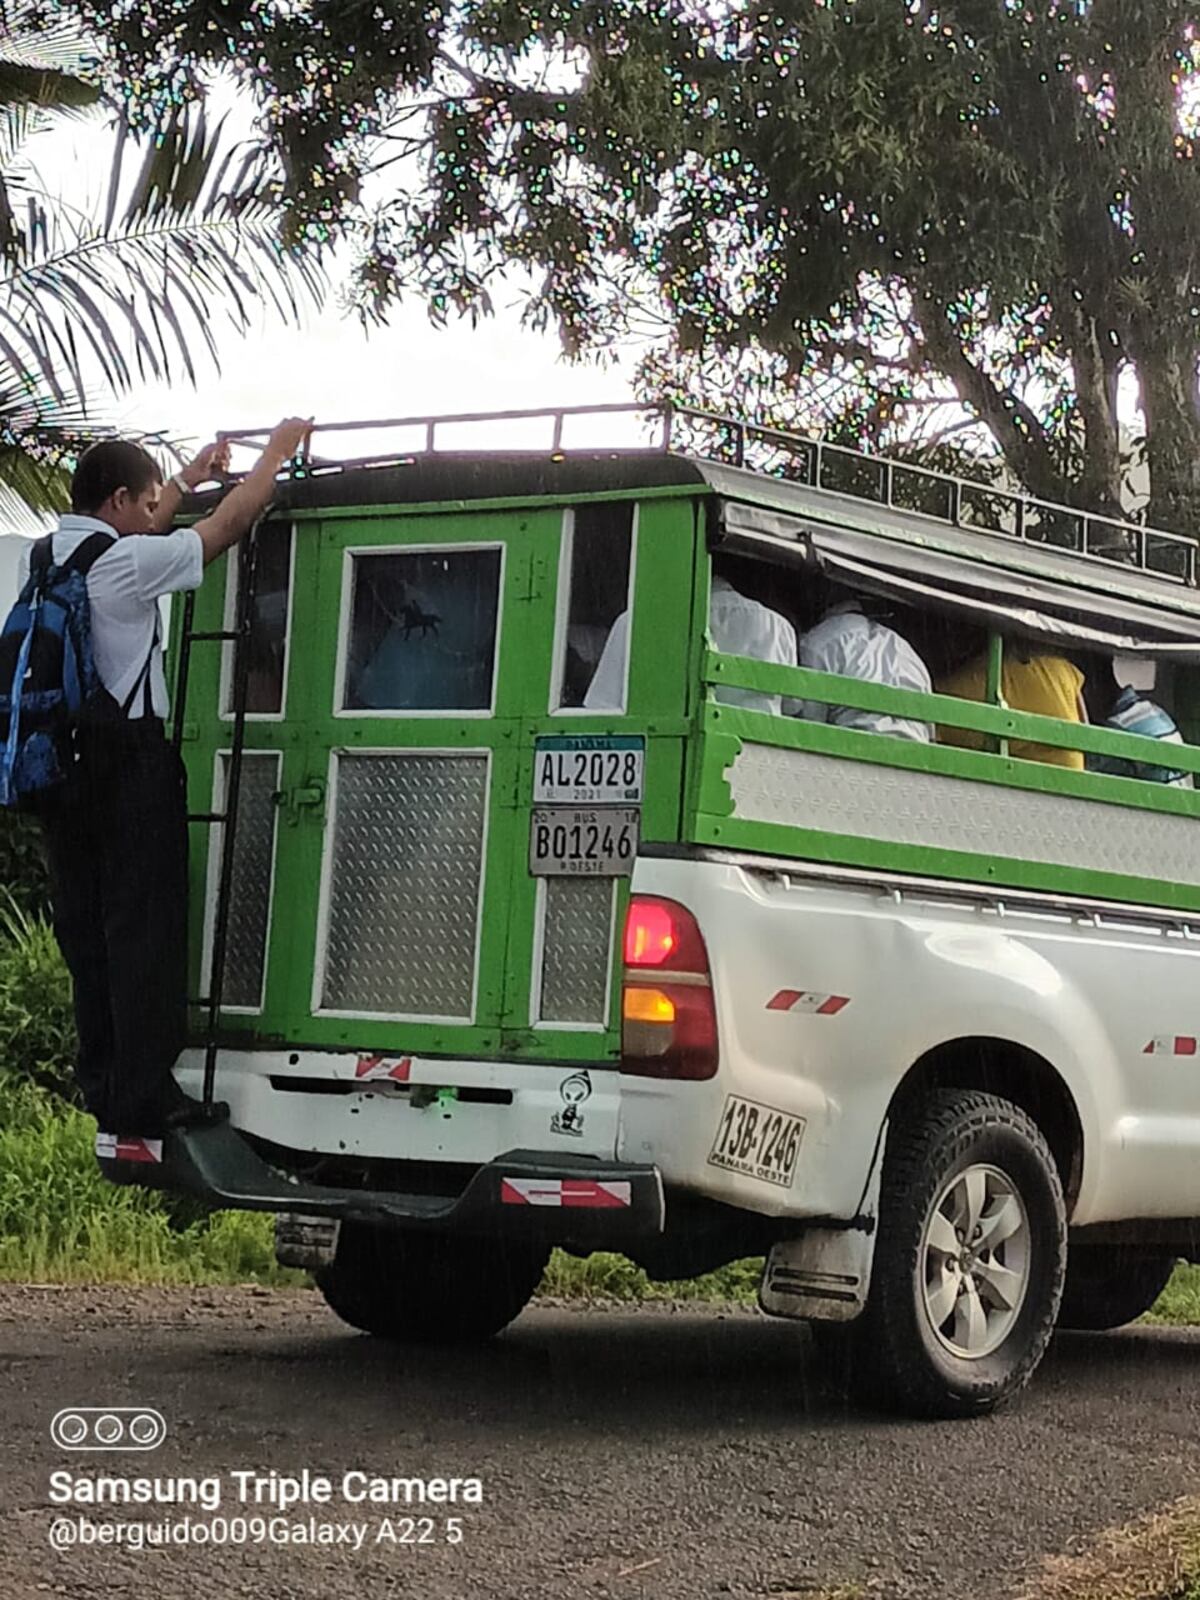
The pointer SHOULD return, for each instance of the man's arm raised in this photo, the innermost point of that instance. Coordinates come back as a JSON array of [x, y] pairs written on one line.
[[236, 513], [208, 464]]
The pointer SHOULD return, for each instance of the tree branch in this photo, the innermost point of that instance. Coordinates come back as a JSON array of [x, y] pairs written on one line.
[[1099, 486], [852, 350], [1016, 427]]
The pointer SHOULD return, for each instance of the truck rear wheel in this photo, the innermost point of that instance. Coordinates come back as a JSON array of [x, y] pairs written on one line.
[[1110, 1285], [969, 1260], [428, 1288]]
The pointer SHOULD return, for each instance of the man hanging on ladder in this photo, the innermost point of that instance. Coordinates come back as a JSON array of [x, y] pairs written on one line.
[[117, 834]]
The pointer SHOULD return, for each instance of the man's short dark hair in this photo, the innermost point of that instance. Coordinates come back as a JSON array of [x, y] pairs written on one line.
[[108, 466]]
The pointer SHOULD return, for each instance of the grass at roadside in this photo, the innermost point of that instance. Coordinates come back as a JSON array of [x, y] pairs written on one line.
[[610, 1277], [1155, 1558], [1179, 1304], [61, 1223]]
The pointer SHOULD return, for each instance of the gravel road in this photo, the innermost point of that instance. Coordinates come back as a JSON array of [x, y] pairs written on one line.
[[674, 1454]]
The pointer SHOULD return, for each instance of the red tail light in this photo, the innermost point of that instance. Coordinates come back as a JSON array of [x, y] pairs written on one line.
[[669, 1022]]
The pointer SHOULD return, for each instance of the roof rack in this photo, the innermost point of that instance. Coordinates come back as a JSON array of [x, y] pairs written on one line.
[[775, 453]]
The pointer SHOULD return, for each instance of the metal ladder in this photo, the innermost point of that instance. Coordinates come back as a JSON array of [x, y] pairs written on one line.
[[246, 553]]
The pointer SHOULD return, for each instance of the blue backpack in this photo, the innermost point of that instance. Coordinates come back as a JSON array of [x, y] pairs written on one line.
[[48, 678]]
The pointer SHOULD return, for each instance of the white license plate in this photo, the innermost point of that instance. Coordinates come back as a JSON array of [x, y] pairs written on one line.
[[585, 771], [583, 841], [757, 1141]]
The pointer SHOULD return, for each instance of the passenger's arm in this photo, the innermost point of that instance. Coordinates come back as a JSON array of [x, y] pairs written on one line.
[[245, 501], [817, 656], [610, 676], [213, 459]]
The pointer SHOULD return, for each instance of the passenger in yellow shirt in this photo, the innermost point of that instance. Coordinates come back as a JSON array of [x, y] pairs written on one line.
[[1049, 686]]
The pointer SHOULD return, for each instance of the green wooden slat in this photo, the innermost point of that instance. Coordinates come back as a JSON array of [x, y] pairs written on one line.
[[800, 683]]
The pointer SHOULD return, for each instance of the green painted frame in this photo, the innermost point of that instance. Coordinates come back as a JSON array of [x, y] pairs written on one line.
[[725, 729], [669, 532]]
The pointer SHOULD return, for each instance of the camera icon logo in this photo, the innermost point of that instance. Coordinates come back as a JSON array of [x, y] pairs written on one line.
[[108, 1428]]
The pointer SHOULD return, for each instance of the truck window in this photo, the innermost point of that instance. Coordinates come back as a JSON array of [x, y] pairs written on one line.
[[267, 646], [423, 628], [596, 566]]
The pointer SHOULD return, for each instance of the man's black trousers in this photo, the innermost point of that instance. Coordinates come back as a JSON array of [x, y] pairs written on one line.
[[117, 842]]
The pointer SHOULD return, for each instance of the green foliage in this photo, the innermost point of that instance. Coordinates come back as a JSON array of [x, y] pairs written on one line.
[[61, 1222], [24, 876], [878, 211], [37, 1025], [604, 1276], [1179, 1303], [105, 291]]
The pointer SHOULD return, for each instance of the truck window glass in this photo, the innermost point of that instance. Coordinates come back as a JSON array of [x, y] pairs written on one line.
[[267, 642], [597, 553], [423, 629]]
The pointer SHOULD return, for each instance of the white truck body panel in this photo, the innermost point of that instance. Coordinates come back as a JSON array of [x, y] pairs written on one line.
[[381, 1117], [1095, 998]]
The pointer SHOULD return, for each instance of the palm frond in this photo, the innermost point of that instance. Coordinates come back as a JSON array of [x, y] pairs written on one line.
[[30, 39], [42, 72], [42, 63], [187, 236], [18, 124], [190, 240], [31, 491], [44, 86], [40, 439]]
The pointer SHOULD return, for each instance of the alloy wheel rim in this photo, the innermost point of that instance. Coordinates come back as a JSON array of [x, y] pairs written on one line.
[[974, 1262]]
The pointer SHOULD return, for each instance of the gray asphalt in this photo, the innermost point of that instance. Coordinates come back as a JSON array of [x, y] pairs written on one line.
[[661, 1453]]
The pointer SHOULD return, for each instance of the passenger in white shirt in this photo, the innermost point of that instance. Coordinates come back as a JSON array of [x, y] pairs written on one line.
[[737, 625], [854, 645]]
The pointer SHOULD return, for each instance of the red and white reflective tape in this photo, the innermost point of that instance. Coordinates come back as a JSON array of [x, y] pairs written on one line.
[[1179, 1044], [112, 1147], [564, 1192], [821, 1005], [383, 1067]]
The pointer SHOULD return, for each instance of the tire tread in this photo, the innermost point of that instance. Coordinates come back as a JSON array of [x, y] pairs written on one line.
[[921, 1149]]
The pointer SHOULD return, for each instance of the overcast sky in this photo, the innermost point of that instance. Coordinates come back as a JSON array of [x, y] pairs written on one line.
[[330, 367], [333, 370]]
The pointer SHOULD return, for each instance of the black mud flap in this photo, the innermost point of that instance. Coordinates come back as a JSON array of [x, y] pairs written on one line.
[[526, 1193]]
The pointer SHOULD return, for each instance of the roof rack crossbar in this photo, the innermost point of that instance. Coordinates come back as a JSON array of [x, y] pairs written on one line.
[[819, 464]]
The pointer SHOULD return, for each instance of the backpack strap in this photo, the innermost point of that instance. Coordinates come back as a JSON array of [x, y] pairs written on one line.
[[143, 679], [85, 554], [82, 559], [41, 559]]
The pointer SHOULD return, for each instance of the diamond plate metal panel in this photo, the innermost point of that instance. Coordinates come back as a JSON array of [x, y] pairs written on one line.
[[577, 950], [253, 861], [833, 795], [403, 896]]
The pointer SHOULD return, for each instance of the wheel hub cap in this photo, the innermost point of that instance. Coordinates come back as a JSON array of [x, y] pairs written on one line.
[[974, 1261]]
